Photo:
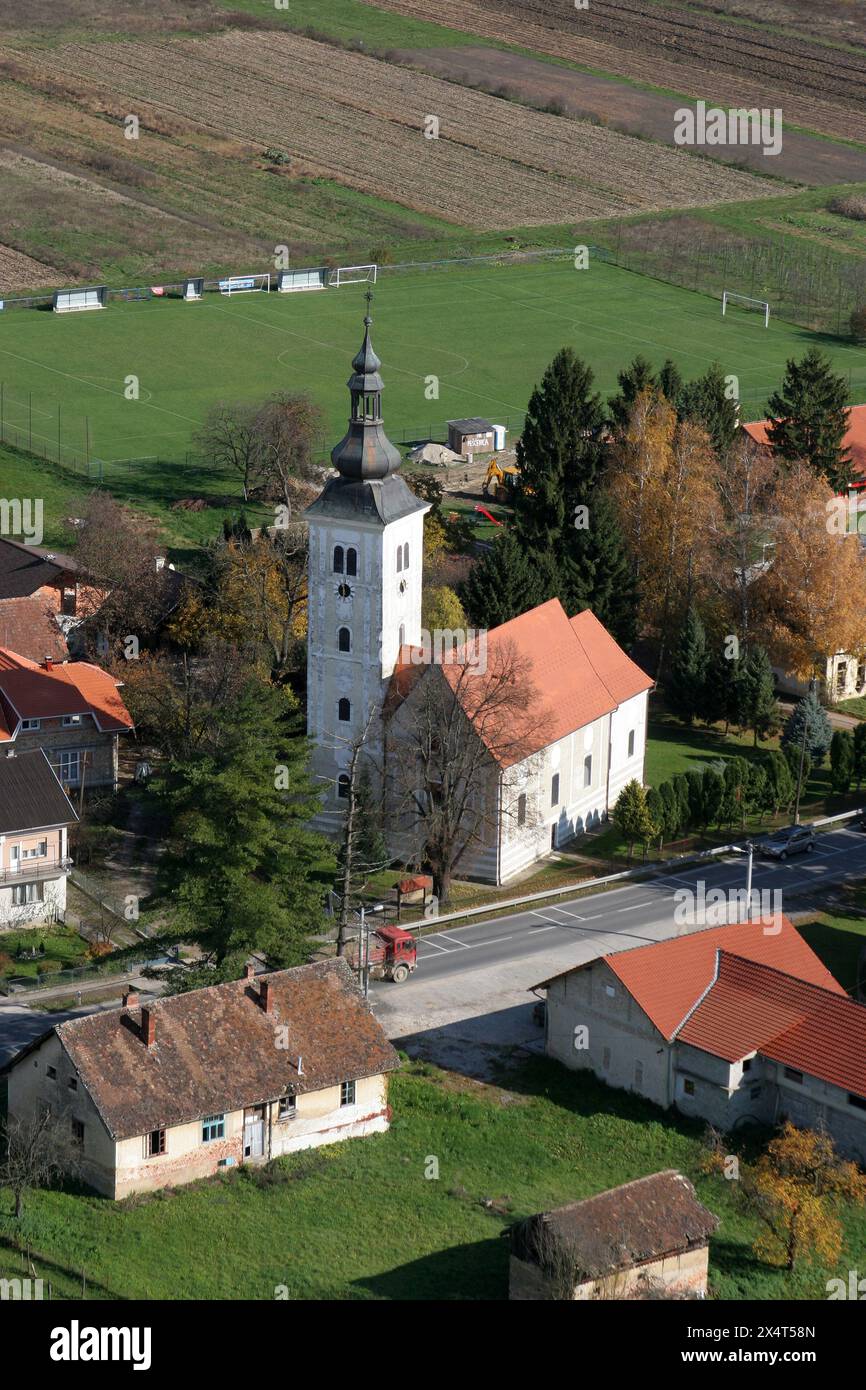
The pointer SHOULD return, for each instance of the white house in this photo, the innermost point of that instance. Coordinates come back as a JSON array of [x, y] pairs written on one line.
[[586, 700], [35, 816]]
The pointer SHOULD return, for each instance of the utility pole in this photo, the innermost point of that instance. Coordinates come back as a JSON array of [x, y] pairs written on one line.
[[812, 685]]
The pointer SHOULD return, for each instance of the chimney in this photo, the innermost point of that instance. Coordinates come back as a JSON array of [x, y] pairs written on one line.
[[249, 971], [48, 663], [265, 999], [148, 1027], [130, 999]]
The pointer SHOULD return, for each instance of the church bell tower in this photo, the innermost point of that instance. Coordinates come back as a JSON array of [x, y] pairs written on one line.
[[364, 587]]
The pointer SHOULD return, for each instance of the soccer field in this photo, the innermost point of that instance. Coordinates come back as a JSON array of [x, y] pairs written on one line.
[[480, 336]]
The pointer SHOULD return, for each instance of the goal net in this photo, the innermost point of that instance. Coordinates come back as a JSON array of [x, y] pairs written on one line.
[[742, 301], [245, 284], [353, 275]]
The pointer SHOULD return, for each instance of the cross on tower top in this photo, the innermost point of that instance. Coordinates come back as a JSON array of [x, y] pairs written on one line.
[[369, 298]]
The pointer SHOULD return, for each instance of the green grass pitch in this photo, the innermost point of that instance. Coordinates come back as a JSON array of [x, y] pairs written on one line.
[[485, 335]]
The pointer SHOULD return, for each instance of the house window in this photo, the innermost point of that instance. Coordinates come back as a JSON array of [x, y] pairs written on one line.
[[605, 1058], [30, 724], [791, 1074], [587, 770], [347, 1093], [610, 990], [51, 1073], [399, 558], [72, 1083], [688, 1087], [631, 743], [344, 639], [344, 710], [288, 1107], [521, 809], [213, 1127], [554, 790], [69, 766], [154, 1143], [405, 555], [71, 720], [338, 559], [37, 851], [77, 1132], [25, 893], [351, 561], [343, 786], [857, 1101], [747, 1065]]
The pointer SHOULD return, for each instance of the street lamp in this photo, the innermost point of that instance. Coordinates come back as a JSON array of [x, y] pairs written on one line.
[[748, 849], [812, 687], [364, 946]]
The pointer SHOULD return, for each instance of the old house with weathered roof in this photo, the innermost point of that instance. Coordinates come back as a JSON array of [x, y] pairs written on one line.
[[584, 702], [646, 1239], [73, 711], [733, 1023], [183, 1087]]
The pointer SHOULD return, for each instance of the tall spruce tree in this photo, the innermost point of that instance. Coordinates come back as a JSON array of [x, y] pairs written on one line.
[[809, 418], [758, 707], [560, 451], [633, 379], [596, 570], [841, 760], [858, 767], [687, 677], [706, 401], [244, 866], [808, 711], [503, 584]]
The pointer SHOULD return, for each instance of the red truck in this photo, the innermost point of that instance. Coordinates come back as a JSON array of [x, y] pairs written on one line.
[[393, 954]]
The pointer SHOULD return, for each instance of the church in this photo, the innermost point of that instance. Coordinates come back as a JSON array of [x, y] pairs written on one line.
[[578, 713]]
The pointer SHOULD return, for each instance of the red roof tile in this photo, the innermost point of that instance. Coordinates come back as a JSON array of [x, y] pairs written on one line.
[[29, 691], [29, 627], [753, 1007], [854, 438], [667, 978], [576, 671]]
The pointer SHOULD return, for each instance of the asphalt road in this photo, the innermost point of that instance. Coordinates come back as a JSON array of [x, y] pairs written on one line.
[[637, 913]]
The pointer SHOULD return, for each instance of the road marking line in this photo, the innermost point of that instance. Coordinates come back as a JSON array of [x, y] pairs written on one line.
[[452, 939], [566, 911], [425, 941]]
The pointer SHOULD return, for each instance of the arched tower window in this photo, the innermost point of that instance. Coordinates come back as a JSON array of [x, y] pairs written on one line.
[[338, 559], [344, 639], [399, 558], [343, 786], [344, 710], [406, 555], [351, 560], [401, 636]]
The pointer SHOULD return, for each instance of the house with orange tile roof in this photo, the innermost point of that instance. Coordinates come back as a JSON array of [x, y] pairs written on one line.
[[73, 711], [733, 1023], [854, 440]]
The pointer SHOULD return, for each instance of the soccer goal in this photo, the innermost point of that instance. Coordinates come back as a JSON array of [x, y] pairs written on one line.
[[245, 284], [353, 275], [742, 301]]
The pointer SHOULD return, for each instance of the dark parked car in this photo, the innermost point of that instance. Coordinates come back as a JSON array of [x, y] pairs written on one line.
[[791, 839]]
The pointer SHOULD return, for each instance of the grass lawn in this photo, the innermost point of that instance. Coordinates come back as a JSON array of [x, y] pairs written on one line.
[[66, 947], [839, 936], [186, 356], [856, 706], [360, 1221]]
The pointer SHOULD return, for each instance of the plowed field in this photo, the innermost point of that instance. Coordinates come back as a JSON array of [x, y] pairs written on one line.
[[360, 121]]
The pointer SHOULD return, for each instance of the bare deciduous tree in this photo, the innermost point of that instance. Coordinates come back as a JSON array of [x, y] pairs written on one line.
[[35, 1153], [453, 750]]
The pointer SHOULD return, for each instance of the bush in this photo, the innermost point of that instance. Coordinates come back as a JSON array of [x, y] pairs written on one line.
[[852, 206], [48, 967]]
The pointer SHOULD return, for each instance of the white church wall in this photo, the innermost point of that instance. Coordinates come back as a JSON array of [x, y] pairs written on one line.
[[629, 718]]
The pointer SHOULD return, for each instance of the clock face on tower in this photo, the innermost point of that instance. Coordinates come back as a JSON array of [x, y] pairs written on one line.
[[344, 590]]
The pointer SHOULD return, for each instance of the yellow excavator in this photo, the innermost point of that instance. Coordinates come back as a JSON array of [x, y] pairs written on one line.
[[499, 481]]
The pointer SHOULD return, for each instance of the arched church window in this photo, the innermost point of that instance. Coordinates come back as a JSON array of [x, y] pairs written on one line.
[[344, 639], [344, 710], [338, 559], [401, 636], [399, 558], [521, 809], [351, 560], [343, 786], [406, 555]]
